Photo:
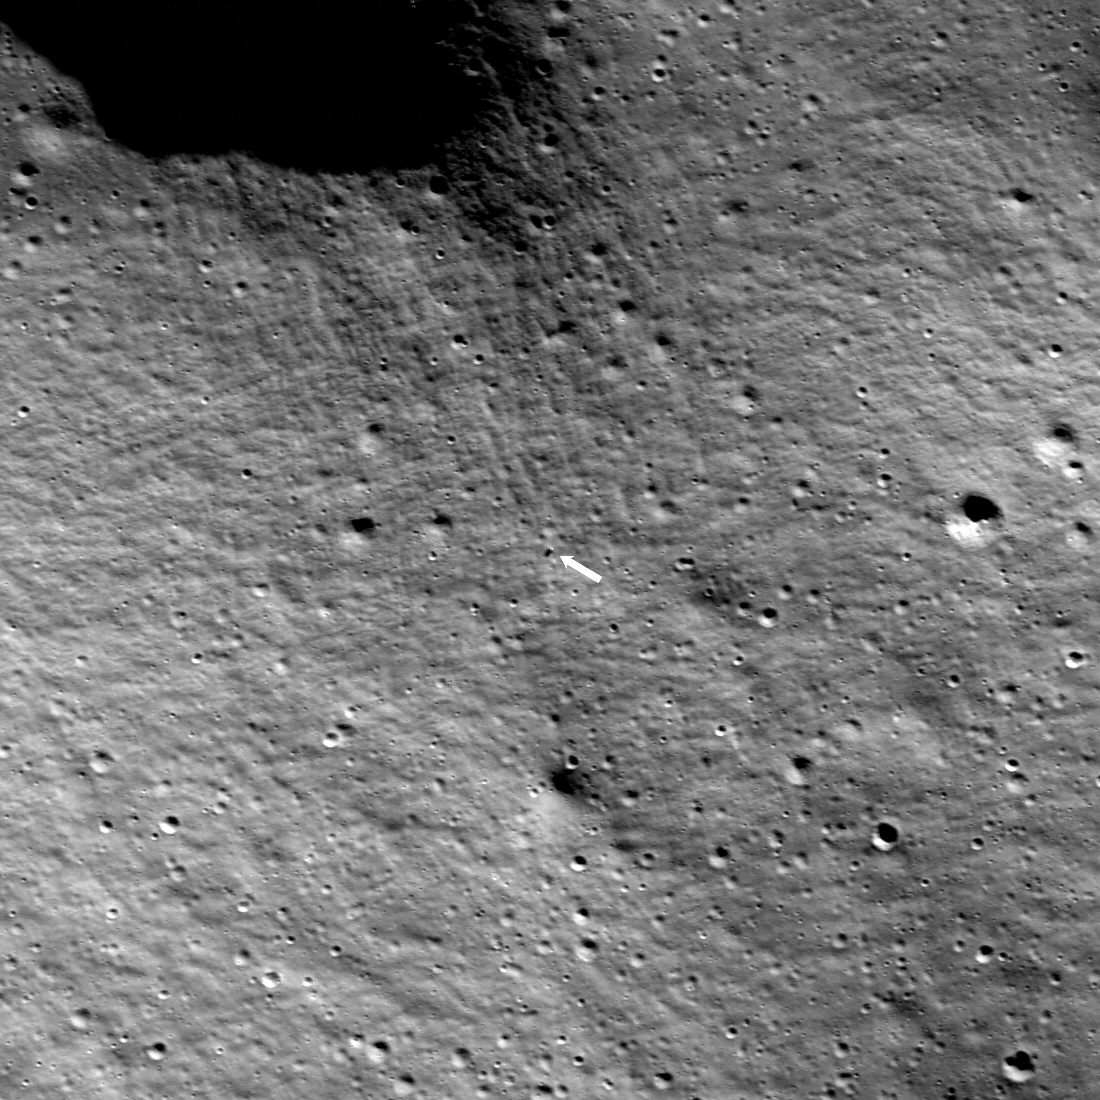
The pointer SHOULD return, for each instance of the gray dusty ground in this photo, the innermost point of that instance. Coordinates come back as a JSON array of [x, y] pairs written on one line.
[[321, 775]]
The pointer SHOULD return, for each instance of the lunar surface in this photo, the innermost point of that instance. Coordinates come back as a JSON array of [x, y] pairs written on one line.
[[322, 774]]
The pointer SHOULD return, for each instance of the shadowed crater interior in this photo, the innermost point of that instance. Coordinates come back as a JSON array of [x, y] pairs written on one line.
[[326, 86], [565, 781], [977, 508], [573, 781]]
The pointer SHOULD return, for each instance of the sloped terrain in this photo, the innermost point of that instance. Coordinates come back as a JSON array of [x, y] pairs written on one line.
[[321, 773]]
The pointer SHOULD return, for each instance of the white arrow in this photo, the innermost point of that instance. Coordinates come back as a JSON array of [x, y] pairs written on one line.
[[581, 569]]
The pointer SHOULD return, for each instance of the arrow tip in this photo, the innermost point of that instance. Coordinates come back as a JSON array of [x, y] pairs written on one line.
[[566, 559]]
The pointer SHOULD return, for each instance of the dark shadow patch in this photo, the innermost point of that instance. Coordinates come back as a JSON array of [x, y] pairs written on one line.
[[566, 781], [364, 525], [1020, 1066], [980, 509], [344, 88], [442, 520], [62, 114], [568, 778]]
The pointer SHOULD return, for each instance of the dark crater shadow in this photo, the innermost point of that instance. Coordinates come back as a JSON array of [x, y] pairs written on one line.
[[566, 781], [582, 785], [321, 87], [576, 783], [978, 508]]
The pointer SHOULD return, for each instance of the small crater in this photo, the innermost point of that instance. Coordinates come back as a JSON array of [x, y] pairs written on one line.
[[587, 949], [101, 762], [1020, 195], [1079, 535], [745, 403], [734, 206], [338, 735], [798, 770], [564, 781], [980, 509], [885, 837], [442, 520], [720, 857], [1019, 1067]]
